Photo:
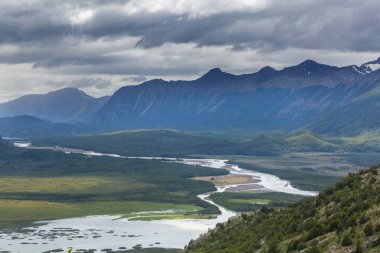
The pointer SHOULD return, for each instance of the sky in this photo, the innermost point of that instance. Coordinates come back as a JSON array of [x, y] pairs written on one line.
[[100, 46]]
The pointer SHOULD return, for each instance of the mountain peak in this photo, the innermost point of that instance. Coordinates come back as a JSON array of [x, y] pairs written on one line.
[[213, 72], [309, 67], [216, 70], [69, 90], [309, 61], [267, 70], [310, 64], [215, 75]]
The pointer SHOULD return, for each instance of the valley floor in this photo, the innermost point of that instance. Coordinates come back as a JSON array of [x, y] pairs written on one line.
[[42, 197]]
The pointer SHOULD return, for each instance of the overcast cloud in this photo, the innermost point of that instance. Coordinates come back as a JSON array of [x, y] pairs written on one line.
[[99, 46]]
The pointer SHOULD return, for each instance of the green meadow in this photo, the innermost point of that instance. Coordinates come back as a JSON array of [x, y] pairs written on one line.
[[249, 202], [40, 185]]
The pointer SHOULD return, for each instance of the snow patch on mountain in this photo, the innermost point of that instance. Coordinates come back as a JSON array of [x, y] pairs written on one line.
[[371, 66], [359, 70]]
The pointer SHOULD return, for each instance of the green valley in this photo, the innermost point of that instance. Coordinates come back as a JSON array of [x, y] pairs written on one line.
[[161, 126], [44, 185]]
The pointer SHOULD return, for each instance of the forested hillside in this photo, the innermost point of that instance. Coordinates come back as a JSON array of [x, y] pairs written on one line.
[[344, 218], [174, 143]]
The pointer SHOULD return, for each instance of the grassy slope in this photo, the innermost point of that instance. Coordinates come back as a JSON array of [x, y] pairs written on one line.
[[344, 218], [304, 141], [349, 118], [366, 141]]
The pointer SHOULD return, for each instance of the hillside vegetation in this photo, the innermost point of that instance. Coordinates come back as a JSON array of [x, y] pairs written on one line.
[[173, 143], [344, 218]]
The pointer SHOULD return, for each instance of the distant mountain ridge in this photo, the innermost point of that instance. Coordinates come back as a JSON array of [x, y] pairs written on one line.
[[64, 105], [325, 99], [288, 99], [25, 126]]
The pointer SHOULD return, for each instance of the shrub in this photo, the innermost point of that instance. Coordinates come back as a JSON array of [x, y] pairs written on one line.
[[359, 247], [368, 229], [363, 219], [317, 230], [314, 249], [347, 240], [272, 247], [377, 228]]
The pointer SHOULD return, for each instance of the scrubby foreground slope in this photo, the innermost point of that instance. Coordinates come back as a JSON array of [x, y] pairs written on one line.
[[345, 218]]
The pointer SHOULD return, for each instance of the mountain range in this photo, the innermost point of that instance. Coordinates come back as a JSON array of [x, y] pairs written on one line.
[[325, 99], [308, 95]]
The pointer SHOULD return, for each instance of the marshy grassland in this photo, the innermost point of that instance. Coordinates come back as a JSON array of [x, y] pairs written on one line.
[[249, 202], [23, 211], [37, 185]]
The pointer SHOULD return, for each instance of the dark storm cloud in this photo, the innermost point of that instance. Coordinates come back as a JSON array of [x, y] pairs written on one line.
[[344, 25], [41, 20], [30, 26]]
